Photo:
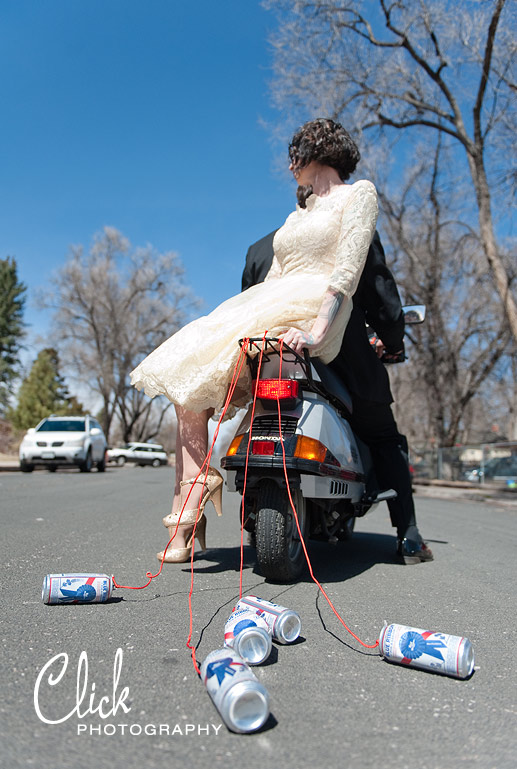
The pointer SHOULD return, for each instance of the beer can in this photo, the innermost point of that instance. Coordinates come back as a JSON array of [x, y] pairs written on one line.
[[248, 634], [236, 692], [284, 624], [76, 588], [442, 653]]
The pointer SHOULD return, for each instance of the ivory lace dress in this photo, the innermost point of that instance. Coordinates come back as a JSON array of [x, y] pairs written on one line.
[[321, 246]]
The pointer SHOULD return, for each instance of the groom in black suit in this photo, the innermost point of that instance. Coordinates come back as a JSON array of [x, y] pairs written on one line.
[[358, 365]]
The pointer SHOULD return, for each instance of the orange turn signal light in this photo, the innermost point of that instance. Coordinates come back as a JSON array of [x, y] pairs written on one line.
[[310, 448], [234, 445]]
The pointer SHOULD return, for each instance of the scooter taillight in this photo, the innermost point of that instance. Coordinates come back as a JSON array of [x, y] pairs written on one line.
[[273, 389]]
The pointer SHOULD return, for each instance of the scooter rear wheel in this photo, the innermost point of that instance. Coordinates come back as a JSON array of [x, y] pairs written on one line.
[[280, 555]]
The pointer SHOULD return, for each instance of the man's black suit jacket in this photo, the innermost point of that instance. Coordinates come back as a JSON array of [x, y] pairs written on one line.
[[375, 302]]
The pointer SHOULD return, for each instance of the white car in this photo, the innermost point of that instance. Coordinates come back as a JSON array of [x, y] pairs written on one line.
[[61, 441], [141, 453]]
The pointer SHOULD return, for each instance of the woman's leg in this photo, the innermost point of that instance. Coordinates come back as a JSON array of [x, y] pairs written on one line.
[[191, 450]]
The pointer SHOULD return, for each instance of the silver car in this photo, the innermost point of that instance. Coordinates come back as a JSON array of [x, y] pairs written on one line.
[[63, 441], [140, 453]]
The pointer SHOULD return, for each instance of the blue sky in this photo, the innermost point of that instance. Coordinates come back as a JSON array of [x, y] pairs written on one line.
[[145, 115]]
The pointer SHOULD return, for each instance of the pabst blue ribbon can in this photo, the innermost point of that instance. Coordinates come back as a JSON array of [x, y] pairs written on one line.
[[248, 633], [236, 692], [448, 654], [76, 588], [284, 624]]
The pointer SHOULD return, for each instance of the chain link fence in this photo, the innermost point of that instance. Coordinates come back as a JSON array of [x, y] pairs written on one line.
[[487, 463]]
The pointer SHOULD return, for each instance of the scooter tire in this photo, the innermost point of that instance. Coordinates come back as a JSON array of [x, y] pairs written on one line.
[[280, 555]]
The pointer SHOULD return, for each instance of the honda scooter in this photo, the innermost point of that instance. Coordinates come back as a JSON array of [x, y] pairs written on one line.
[[299, 452]]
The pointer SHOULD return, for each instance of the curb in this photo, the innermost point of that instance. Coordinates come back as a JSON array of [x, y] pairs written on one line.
[[9, 467], [460, 491]]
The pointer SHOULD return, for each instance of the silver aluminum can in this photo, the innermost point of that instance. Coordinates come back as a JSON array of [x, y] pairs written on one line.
[[238, 695], [451, 655], [76, 588], [284, 624], [248, 634]]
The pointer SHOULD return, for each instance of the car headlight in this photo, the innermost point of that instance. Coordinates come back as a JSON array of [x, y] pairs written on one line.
[[75, 442]]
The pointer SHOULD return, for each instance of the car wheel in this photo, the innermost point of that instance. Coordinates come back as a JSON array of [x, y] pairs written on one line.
[[87, 465], [52, 469], [25, 467], [155, 463], [121, 461]]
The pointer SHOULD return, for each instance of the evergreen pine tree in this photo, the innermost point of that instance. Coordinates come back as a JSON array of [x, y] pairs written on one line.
[[12, 300], [43, 392]]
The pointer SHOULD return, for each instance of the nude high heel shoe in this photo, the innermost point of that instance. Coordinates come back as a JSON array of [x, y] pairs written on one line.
[[214, 491]]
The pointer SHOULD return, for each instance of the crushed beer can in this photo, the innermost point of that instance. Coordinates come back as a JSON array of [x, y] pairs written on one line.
[[248, 634], [76, 588], [236, 692], [442, 653], [284, 624]]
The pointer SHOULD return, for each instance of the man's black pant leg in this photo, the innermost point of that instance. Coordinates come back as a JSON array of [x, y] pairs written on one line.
[[375, 425]]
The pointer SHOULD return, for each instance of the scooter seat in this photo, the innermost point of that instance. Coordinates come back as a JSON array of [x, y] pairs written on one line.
[[333, 385]]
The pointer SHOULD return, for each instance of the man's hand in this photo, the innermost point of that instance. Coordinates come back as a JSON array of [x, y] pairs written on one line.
[[379, 348], [377, 344]]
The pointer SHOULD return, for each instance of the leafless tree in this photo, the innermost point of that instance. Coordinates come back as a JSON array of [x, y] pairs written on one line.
[[501, 401], [112, 306], [438, 261], [412, 67]]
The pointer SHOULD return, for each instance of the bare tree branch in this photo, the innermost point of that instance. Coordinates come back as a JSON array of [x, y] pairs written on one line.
[[413, 68], [111, 307], [492, 29]]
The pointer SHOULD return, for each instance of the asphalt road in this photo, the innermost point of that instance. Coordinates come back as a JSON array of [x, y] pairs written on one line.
[[333, 703]]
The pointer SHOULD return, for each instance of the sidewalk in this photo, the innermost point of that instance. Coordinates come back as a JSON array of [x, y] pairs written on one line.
[[9, 462], [466, 491]]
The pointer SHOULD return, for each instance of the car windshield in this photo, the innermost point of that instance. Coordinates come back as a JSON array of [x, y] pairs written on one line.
[[62, 426]]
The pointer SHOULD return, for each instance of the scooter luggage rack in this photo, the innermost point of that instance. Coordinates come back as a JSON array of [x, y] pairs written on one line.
[[269, 346]]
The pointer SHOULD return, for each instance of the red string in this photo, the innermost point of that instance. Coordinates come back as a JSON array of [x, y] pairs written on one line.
[[246, 464], [368, 646], [205, 467], [231, 389]]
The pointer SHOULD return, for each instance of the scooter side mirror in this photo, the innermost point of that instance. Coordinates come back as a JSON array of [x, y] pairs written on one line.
[[414, 313]]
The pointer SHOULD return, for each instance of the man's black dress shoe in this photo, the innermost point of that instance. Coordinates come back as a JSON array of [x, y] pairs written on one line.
[[413, 551]]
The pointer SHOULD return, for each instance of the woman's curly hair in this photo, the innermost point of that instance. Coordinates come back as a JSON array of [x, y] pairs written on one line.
[[326, 142]]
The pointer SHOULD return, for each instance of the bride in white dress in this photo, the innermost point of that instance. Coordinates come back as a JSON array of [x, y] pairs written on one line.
[[306, 300]]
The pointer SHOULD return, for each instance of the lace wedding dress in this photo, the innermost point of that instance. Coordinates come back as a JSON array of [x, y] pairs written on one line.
[[321, 246]]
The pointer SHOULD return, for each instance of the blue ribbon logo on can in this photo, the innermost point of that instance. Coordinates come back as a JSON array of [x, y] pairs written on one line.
[[413, 645], [84, 592], [436, 651], [223, 668]]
